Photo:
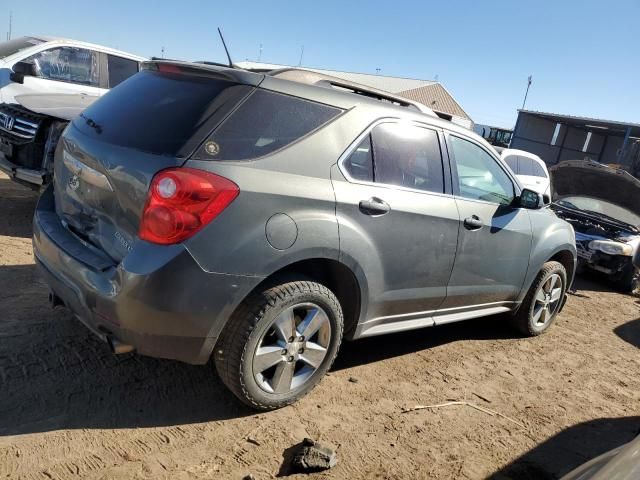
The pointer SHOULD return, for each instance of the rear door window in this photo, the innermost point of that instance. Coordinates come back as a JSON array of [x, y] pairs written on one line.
[[120, 69], [512, 161], [267, 121], [408, 156], [525, 166], [67, 64], [161, 112]]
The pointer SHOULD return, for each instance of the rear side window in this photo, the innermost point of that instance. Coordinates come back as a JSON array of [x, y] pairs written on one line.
[[160, 112], [265, 122], [359, 164], [408, 156], [120, 69], [538, 171]]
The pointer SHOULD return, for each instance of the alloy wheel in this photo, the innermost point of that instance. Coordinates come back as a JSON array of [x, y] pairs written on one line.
[[547, 300], [292, 348]]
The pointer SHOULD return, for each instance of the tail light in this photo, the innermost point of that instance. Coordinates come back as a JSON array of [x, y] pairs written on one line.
[[181, 201]]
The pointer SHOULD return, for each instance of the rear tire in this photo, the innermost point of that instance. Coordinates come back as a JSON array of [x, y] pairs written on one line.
[[280, 343], [543, 300]]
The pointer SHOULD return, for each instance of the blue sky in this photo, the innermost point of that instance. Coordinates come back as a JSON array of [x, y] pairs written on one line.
[[583, 55]]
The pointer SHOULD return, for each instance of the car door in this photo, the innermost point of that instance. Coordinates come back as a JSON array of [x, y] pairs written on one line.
[[65, 70], [494, 236], [397, 221]]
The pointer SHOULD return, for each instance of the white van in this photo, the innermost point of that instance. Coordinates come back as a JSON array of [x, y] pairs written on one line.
[[44, 83]]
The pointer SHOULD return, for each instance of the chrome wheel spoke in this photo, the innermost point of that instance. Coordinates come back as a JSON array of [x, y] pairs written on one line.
[[540, 297], [281, 381], [267, 357], [314, 320], [556, 293], [313, 354], [285, 325]]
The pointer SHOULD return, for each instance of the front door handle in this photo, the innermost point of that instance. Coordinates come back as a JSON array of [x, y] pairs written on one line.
[[374, 206], [473, 223]]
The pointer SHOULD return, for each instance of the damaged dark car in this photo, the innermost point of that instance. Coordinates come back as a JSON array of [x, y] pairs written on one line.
[[603, 205]]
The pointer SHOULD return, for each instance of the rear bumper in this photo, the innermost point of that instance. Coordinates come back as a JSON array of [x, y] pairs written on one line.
[[157, 299]]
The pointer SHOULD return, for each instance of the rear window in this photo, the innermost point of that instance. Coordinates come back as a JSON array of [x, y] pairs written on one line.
[[265, 122], [159, 112]]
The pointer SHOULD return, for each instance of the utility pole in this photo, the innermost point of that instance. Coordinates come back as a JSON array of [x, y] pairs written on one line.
[[260, 54], [301, 54], [10, 23], [162, 52], [378, 71], [527, 92]]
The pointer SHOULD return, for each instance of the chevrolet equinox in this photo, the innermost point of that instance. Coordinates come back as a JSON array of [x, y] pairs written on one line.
[[258, 219]]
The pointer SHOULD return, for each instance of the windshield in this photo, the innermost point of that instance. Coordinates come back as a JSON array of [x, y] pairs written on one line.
[[14, 46], [595, 205]]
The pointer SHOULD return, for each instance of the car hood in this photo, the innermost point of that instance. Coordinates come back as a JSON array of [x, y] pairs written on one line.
[[592, 179], [65, 106]]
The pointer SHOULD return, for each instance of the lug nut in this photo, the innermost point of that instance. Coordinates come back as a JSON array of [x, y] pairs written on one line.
[[301, 339], [291, 339], [301, 350], [291, 358], [284, 351]]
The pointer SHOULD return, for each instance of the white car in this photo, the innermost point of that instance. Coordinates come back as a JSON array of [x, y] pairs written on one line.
[[530, 170], [44, 83]]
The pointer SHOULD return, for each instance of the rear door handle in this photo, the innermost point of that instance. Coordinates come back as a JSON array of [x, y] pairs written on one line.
[[374, 206], [473, 223]]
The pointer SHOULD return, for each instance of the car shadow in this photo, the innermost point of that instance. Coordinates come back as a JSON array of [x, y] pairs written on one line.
[[17, 204], [55, 374], [374, 349], [570, 448], [629, 332]]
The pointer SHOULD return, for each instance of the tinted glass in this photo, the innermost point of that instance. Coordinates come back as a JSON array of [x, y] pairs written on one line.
[[408, 156], [265, 122], [525, 166], [359, 165], [67, 64], [479, 175], [157, 112], [14, 46], [538, 171], [512, 161], [120, 69]]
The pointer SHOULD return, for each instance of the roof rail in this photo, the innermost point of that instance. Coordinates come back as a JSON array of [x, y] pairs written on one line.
[[313, 78]]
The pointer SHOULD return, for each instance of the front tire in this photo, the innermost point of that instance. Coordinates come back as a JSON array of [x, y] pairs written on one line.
[[280, 343], [543, 301]]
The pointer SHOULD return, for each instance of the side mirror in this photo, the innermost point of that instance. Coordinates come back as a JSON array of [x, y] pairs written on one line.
[[530, 199], [21, 70]]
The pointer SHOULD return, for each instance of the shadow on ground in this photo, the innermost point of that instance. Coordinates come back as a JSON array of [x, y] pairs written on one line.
[[17, 204], [570, 448], [630, 332]]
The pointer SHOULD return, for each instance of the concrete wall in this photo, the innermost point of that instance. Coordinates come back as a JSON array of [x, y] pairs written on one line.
[[534, 134]]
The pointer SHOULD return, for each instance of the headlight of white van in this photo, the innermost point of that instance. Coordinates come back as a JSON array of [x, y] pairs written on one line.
[[611, 247]]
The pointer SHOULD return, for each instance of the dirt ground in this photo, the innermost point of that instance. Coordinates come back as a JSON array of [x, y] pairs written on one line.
[[69, 409]]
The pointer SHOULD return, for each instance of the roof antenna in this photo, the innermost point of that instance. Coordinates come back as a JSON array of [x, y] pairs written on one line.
[[224, 44]]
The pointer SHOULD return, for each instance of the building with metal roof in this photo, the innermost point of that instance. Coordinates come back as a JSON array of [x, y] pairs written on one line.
[[427, 92], [555, 137]]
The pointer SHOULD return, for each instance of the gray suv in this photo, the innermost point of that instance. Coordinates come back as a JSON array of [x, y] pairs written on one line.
[[259, 219]]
